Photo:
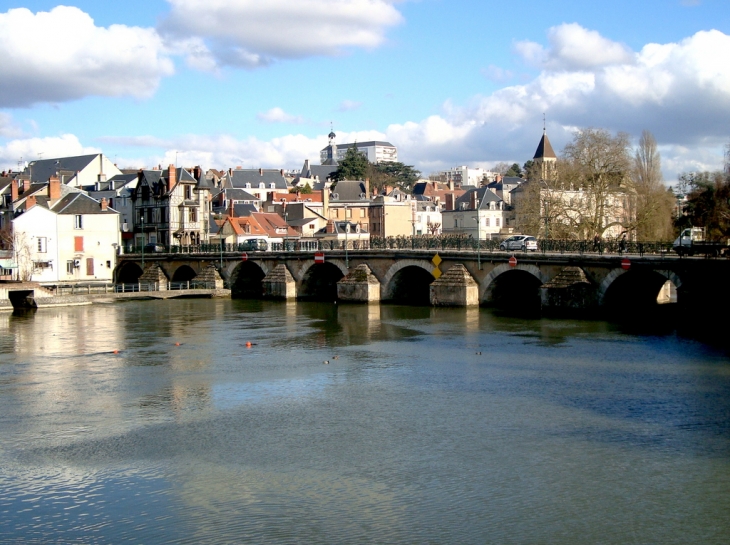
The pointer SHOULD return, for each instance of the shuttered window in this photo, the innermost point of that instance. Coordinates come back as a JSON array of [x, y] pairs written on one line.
[[78, 244]]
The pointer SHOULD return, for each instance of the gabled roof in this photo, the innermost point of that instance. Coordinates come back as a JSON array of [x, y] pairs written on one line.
[[317, 171], [240, 177], [544, 149], [484, 197], [242, 210], [235, 194], [42, 169], [348, 191], [79, 203], [271, 223]]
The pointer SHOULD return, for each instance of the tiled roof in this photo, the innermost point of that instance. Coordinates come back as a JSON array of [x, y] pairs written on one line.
[[544, 149], [79, 203]]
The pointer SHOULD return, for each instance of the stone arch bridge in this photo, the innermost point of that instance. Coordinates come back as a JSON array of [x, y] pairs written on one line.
[[559, 282]]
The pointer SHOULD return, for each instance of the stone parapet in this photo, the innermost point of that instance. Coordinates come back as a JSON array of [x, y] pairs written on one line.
[[360, 286], [456, 288]]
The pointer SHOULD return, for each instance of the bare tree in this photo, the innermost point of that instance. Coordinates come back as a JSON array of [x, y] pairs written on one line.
[[654, 203]]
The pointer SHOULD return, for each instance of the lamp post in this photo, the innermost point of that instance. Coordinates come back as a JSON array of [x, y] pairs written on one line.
[[347, 230], [479, 241], [142, 222]]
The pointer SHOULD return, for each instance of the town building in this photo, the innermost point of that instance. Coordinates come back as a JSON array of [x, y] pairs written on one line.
[[478, 213], [76, 171], [65, 236], [259, 182], [375, 151], [171, 207]]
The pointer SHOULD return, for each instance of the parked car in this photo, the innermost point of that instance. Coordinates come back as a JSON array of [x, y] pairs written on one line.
[[519, 242], [255, 245], [153, 248]]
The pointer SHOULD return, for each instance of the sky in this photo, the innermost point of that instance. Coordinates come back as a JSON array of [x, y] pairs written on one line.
[[226, 83]]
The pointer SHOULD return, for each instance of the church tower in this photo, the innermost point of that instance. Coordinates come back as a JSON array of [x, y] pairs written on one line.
[[329, 154], [545, 158]]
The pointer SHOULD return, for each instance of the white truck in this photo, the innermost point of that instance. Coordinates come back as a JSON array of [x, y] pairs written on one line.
[[693, 241]]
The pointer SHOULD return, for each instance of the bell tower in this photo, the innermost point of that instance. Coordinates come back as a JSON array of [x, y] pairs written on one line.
[[545, 157]]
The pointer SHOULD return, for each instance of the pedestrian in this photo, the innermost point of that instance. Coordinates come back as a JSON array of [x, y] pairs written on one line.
[[596, 243], [622, 245]]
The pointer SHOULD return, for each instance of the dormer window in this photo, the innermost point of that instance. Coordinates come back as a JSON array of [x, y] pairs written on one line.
[[248, 185], [188, 192], [272, 186], [262, 185]]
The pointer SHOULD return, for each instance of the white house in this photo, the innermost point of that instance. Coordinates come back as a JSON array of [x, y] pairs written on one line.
[[479, 213], [77, 171], [69, 238]]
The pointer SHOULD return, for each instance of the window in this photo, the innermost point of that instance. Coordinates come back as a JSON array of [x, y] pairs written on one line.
[[78, 244], [486, 222], [42, 245], [362, 212], [188, 192], [348, 213], [496, 222], [193, 215], [108, 264], [70, 267], [78, 221]]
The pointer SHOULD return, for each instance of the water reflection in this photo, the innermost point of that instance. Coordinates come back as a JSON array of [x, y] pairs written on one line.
[[426, 425]]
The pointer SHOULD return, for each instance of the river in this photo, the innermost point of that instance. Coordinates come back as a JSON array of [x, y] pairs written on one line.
[[154, 422]]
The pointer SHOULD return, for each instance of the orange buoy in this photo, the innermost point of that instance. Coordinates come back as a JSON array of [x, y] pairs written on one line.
[[177, 344], [115, 351], [248, 344]]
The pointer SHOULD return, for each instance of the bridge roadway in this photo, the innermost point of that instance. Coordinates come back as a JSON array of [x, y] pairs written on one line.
[[553, 281]]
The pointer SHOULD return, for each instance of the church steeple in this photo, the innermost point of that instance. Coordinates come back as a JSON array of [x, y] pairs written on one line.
[[545, 156], [331, 158]]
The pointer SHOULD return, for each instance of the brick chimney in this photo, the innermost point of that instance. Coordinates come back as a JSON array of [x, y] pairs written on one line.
[[26, 185], [14, 190], [450, 201], [197, 172], [367, 187], [325, 202], [54, 188], [104, 204], [261, 172], [473, 200], [231, 209], [171, 177], [30, 202], [452, 185], [330, 226]]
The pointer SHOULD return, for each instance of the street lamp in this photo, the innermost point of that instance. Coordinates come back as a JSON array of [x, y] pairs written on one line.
[[479, 241], [142, 221], [347, 230]]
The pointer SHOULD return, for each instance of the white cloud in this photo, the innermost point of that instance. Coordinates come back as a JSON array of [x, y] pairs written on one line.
[[573, 47], [250, 33], [30, 149], [62, 55], [277, 115]]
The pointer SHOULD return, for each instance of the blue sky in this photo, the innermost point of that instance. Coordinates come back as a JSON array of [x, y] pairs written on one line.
[[239, 82]]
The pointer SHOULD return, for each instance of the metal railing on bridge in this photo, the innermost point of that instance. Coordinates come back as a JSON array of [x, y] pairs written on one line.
[[421, 242], [166, 286]]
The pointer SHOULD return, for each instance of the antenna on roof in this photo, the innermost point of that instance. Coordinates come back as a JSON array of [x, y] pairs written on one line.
[[544, 124]]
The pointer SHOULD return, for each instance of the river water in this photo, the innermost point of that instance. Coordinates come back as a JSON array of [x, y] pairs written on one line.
[[427, 426]]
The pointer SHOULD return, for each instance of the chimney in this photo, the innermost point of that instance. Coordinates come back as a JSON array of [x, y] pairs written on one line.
[[231, 209], [26, 185], [261, 172], [449, 201], [282, 172], [104, 204], [451, 185], [498, 178], [325, 202], [473, 200], [54, 188], [299, 194], [30, 202], [367, 187], [14, 190], [435, 185], [330, 226], [171, 177], [197, 172]]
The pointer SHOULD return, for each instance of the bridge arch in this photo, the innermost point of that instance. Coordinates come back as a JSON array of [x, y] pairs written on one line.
[[309, 263], [246, 280], [634, 289], [127, 272], [513, 288], [318, 281], [184, 273], [229, 267], [408, 281], [611, 278]]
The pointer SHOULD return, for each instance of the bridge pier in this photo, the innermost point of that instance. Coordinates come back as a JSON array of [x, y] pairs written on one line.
[[154, 275], [359, 286], [456, 288], [567, 292], [280, 284]]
